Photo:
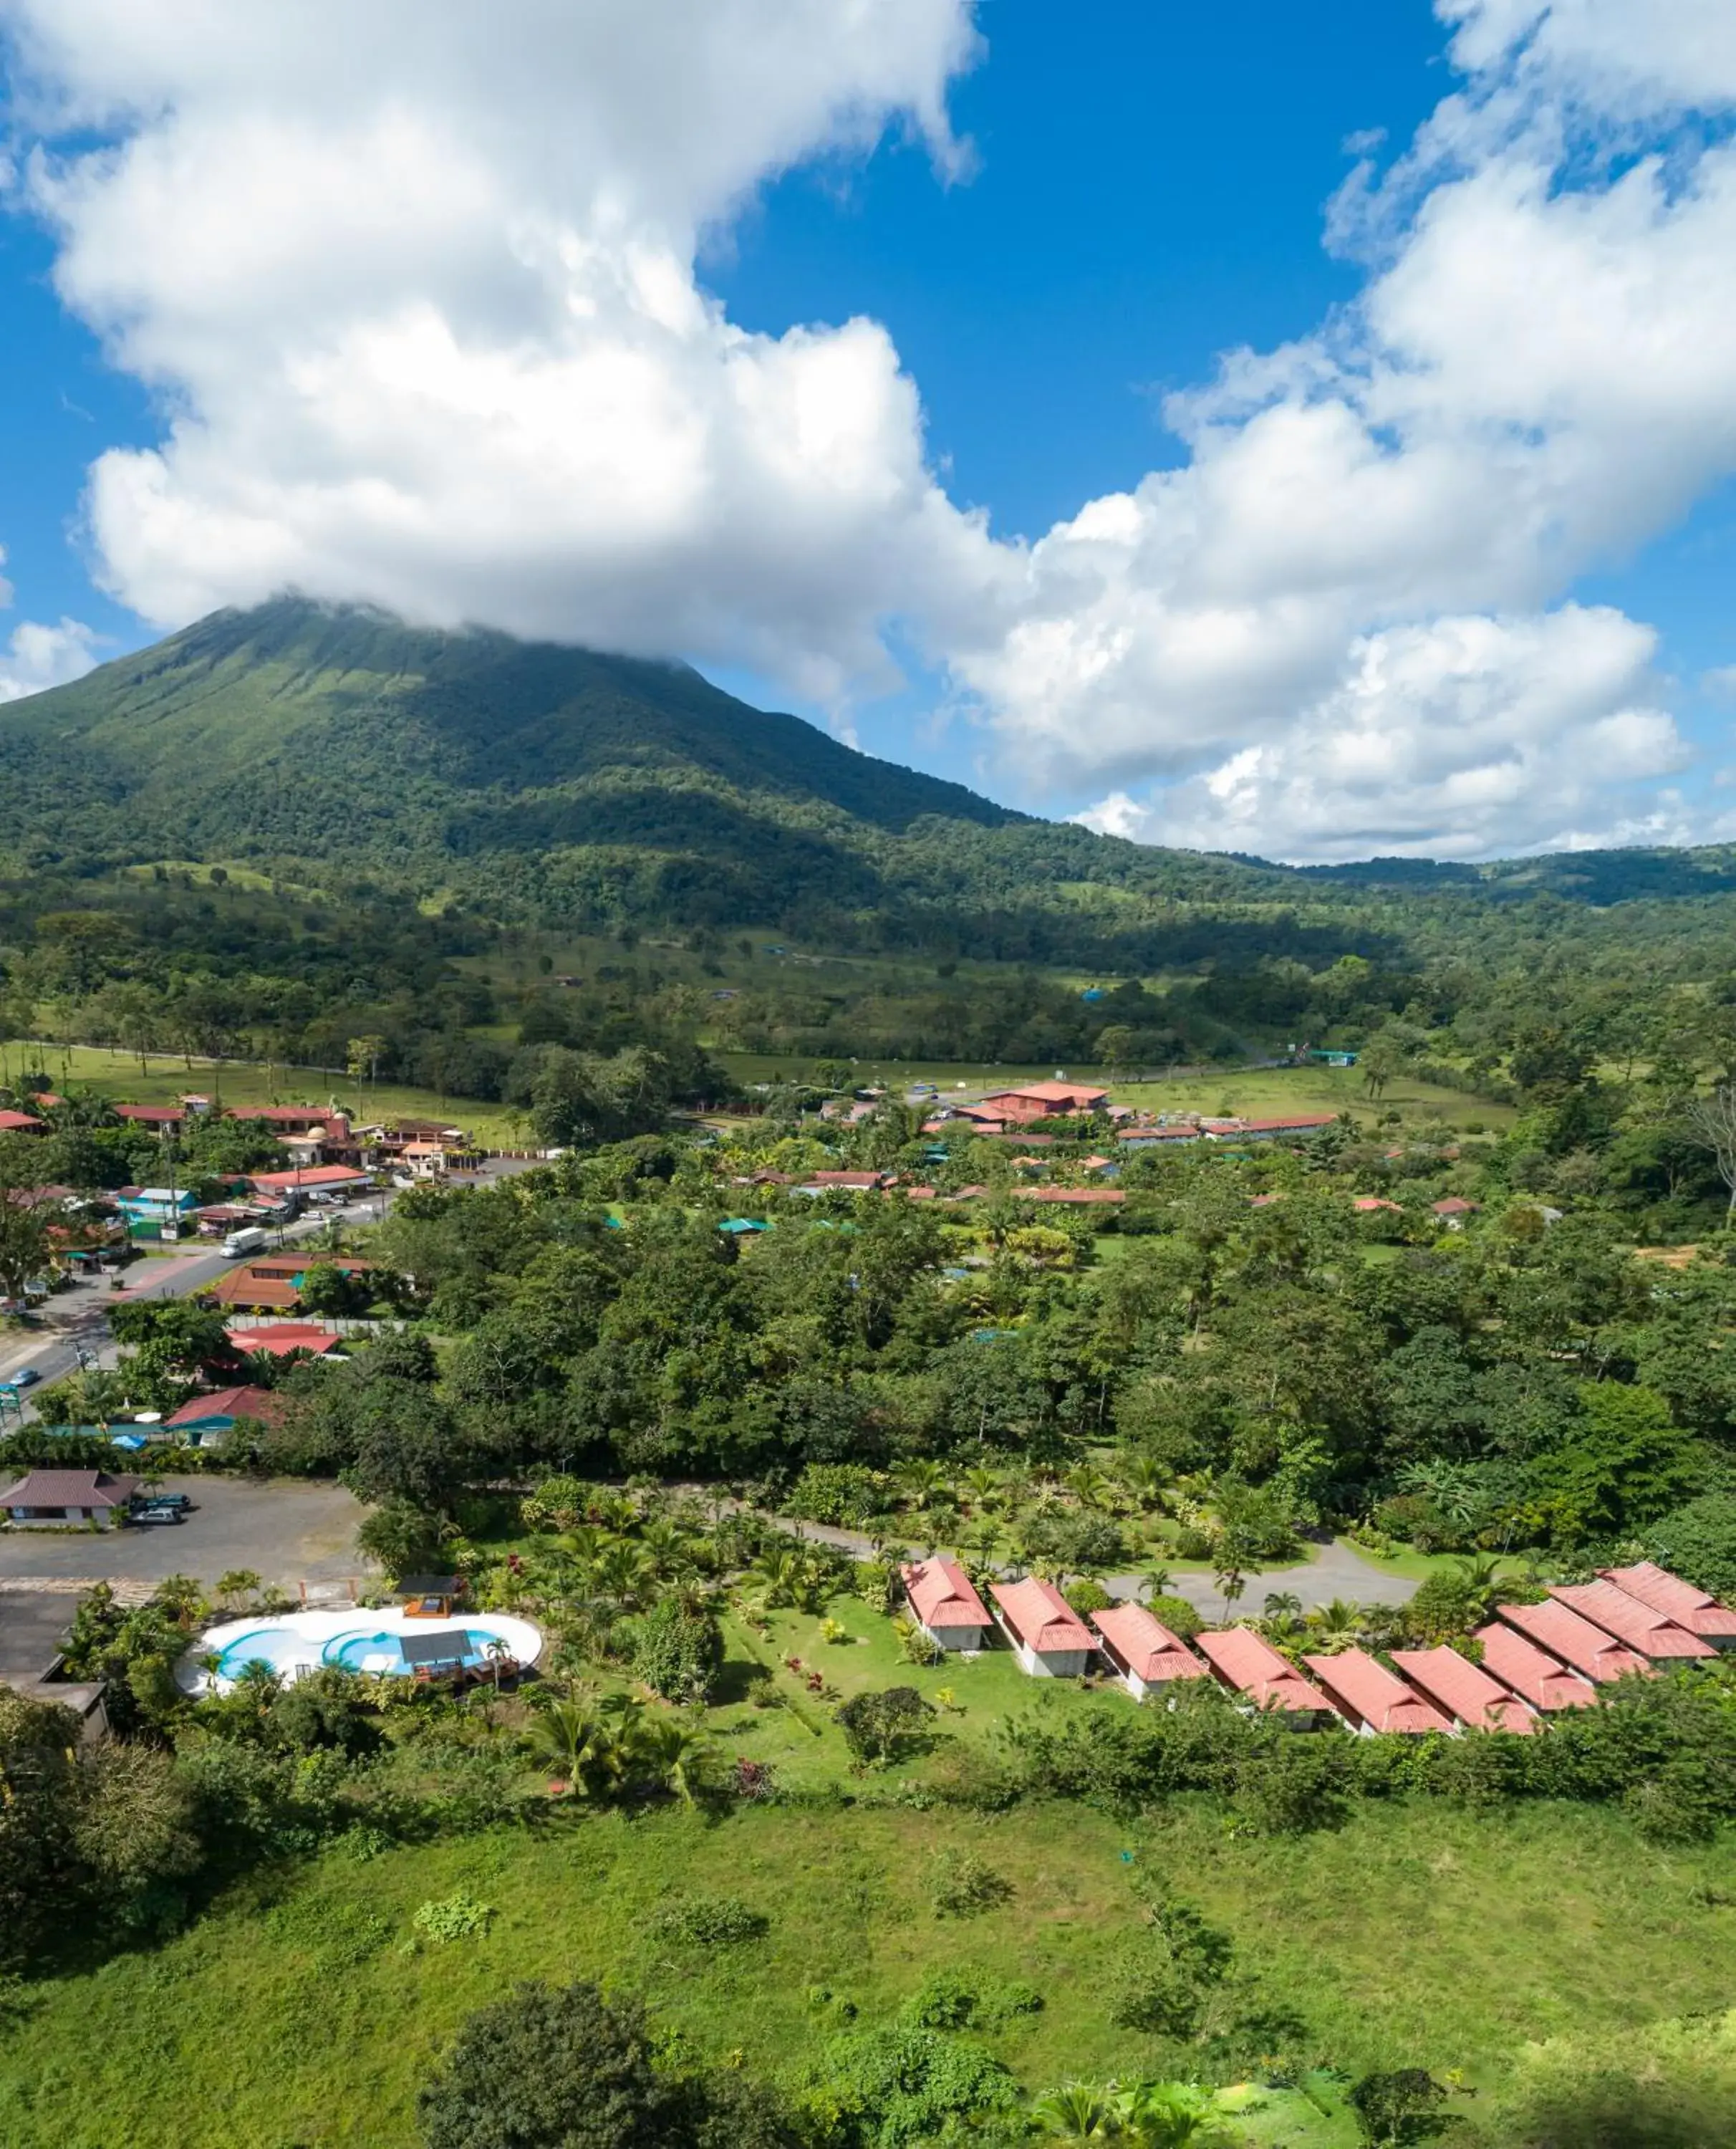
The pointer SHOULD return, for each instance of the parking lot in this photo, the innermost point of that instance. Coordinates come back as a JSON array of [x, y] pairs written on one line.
[[287, 1532]]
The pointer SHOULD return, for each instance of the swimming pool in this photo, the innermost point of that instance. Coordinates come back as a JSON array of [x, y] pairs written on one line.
[[293, 1644]]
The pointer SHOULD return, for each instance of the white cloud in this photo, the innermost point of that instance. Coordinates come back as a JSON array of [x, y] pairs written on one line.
[[1463, 738], [420, 293], [421, 302], [38, 656]]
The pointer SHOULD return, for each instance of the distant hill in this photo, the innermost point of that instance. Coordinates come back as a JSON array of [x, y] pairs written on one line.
[[527, 776], [557, 784]]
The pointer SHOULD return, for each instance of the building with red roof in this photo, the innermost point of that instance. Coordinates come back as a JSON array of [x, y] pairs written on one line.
[[216, 1413], [283, 1338], [151, 1116], [52, 1499], [1678, 1600], [844, 1182], [1072, 1197], [1652, 1634], [1371, 1698], [1533, 1673], [1049, 1638], [1292, 1123], [1464, 1691], [945, 1604], [22, 1123], [311, 1179], [1368, 1205], [1144, 1652], [1252, 1667], [1574, 1639]]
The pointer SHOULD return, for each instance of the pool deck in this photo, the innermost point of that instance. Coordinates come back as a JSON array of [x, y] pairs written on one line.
[[293, 1643]]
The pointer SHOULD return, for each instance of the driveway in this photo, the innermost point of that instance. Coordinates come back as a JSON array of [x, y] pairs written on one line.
[[286, 1531]]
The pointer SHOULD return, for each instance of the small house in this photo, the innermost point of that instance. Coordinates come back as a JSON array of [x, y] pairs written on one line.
[[1372, 1699], [1678, 1600], [1146, 1656], [59, 1499], [22, 1123], [1654, 1635], [1532, 1673], [1561, 1630], [1046, 1100], [945, 1605], [1464, 1691], [283, 1339], [1250, 1666], [208, 1420], [1049, 1638]]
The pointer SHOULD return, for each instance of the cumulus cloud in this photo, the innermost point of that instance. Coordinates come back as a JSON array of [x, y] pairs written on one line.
[[1462, 738], [421, 296], [37, 657], [421, 302]]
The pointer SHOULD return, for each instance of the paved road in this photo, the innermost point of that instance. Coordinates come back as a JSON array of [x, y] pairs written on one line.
[[286, 1531], [1337, 1570], [80, 1334]]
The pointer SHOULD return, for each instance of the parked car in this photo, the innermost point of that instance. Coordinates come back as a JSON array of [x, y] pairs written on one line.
[[178, 1501], [27, 1376], [157, 1515]]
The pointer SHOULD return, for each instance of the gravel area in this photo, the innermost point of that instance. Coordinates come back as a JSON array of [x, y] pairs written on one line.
[[287, 1532]]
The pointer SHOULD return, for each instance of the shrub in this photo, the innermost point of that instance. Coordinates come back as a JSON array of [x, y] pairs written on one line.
[[1179, 1616], [677, 1650], [1301, 1784], [1699, 1542], [961, 1885], [1402, 2107], [878, 1726], [711, 1921], [457, 1917], [1089, 1596], [558, 1503], [847, 1495], [902, 2085]]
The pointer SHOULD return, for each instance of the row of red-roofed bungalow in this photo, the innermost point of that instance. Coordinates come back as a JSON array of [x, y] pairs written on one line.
[[1536, 1658]]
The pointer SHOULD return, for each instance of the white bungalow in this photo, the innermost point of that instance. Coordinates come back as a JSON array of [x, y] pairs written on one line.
[[1049, 1638], [945, 1606], [1146, 1656]]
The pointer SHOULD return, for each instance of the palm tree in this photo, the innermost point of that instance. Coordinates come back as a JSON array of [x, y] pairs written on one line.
[[1088, 1485], [1156, 1582], [580, 1744], [1166, 2114], [620, 1571], [922, 1483], [1337, 1626], [1145, 1477], [679, 1755], [982, 1484], [1077, 2111]]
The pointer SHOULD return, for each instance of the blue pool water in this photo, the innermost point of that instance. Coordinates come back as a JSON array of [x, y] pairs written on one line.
[[363, 1652]]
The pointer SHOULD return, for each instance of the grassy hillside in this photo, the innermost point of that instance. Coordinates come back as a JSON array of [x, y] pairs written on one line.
[[1549, 1958]]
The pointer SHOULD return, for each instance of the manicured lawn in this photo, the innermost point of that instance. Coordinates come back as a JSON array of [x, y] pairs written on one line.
[[1511, 1946]]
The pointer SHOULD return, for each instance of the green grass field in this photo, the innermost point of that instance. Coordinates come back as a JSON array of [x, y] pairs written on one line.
[[167, 1075], [1515, 1949]]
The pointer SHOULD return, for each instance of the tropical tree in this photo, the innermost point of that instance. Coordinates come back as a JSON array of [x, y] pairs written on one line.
[[1077, 2111], [679, 1756], [1338, 1625], [580, 1745]]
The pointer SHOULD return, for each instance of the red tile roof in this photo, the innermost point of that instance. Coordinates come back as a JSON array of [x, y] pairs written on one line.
[[244, 1287], [1040, 1616], [1048, 1093], [1653, 1633], [310, 1176], [151, 1116], [1677, 1599], [1464, 1690], [1575, 1640], [1455, 1204], [1296, 1122], [1366, 1203], [1145, 1645], [283, 1337], [1529, 1671], [21, 1123], [1075, 1197], [1253, 1667], [1367, 1691], [260, 1403], [941, 1594]]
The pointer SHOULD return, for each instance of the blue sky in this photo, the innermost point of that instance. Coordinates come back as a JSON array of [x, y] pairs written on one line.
[[794, 346]]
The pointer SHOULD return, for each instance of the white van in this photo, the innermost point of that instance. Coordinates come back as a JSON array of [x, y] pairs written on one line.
[[243, 1242]]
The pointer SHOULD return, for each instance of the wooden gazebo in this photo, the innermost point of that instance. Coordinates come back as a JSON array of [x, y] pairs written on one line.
[[431, 1595]]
